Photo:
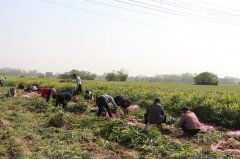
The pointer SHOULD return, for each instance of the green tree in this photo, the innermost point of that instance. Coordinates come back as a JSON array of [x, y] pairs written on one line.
[[206, 78], [85, 75], [111, 76], [120, 75]]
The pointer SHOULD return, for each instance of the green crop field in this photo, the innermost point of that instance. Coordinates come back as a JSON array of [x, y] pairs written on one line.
[[32, 128]]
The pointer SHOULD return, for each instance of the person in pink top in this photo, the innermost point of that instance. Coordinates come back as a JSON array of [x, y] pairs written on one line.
[[189, 122]]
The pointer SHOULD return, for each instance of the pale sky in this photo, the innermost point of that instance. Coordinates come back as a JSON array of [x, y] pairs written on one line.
[[147, 37]]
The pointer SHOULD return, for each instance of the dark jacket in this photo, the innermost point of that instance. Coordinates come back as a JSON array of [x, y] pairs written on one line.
[[155, 113], [122, 101], [63, 98]]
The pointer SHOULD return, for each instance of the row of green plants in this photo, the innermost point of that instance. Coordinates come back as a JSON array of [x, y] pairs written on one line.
[[215, 106], [57, 133], [149, 140]]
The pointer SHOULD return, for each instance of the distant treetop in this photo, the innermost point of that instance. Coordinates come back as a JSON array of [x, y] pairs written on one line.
[[206, 78]]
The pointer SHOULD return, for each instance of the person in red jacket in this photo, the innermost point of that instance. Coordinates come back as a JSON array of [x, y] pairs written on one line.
[[47, 92]]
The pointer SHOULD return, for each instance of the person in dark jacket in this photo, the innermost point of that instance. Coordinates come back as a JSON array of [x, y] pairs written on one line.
[[155, 113], [102, 103], [123, 102], [88, 95], [63, 98]]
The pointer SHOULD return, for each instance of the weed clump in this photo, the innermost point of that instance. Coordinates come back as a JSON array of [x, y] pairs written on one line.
[[149, 140], [38, 104], [57, 120], [79, 108], [14, 149]]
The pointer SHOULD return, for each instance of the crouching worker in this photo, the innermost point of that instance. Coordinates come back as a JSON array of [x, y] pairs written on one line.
[[123, 102], [189, 122], [12, 92], [47, 93], [88, 95], [102, 103], [31, 88], [63, 98], [155, 113]]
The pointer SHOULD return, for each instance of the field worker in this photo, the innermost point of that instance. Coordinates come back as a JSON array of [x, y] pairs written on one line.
[[78, 84], [155, 113], [47, 92], [12, 92], [31, 88], [102, 102], [123, 102], [34, 88], [88, 95], [63, 98], [2, 80], [188, 122]]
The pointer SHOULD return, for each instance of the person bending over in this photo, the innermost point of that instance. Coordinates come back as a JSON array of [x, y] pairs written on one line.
[[63, 98], [47, 92], [102, 102], [123, 102]]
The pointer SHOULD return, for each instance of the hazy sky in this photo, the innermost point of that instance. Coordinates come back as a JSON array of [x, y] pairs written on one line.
[[147, 37]]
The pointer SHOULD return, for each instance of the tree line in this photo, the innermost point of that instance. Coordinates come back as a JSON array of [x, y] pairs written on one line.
[[122, 75], [184, 78], [18, 72]]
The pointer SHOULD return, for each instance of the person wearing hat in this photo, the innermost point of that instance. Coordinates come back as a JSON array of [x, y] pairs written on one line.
[[188, 122], [155, 113], [123, 102]]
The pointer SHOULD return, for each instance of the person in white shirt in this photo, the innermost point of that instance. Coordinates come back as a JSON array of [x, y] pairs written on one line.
[[78, 84]]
